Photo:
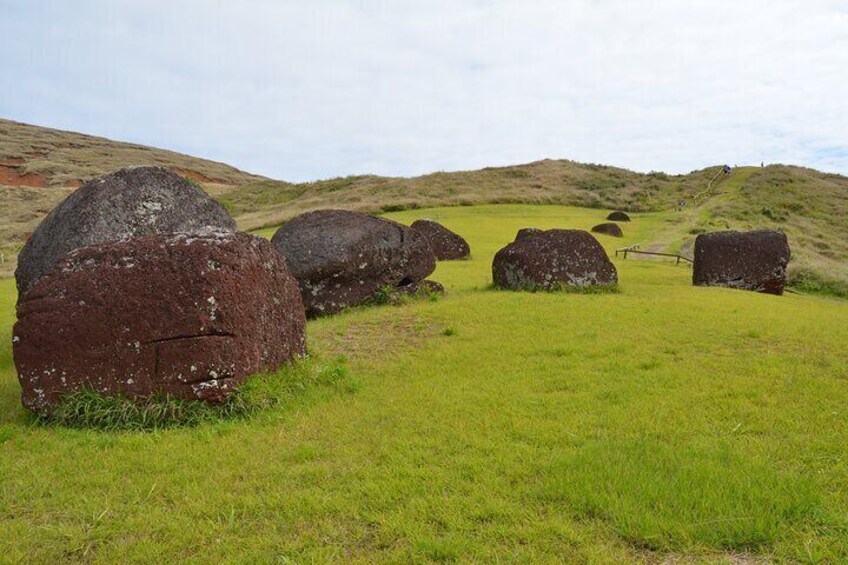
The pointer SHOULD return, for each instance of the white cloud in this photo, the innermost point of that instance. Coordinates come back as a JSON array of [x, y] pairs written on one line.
[[317, 89]]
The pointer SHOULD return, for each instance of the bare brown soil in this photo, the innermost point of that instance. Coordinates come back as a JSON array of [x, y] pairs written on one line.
[[11, 176]]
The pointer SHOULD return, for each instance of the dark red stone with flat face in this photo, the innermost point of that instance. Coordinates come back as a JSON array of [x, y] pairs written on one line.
[[446, 245], [553, 258], [754, 260], [184, 315], [342, 258]]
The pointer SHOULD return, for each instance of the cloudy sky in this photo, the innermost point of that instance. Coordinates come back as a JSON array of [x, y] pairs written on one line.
[[315, 89]]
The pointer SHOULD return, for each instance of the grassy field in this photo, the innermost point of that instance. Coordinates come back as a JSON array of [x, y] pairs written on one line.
[[666, 423]]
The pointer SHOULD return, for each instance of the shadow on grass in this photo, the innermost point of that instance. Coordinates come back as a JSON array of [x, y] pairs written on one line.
[[563, 289]]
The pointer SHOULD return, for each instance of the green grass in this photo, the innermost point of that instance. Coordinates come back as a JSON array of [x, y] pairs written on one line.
[[670, 496], [87, 409], [665, 421]]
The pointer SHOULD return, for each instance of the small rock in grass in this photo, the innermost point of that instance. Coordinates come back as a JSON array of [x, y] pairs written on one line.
[[618, 216], [446, 244], [609, 229]]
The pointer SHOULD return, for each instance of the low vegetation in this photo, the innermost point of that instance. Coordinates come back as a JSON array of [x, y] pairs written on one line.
[[55, 158], [664, 423], [388, 295], [88, 409], [21, 209], [549, 181]]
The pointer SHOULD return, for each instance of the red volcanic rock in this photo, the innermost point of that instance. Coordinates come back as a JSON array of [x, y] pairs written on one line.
[[618, 216], [609, 229], [754, 260], [552, 258], [342, 258], [185, 315], [446, 245], [527, 232]]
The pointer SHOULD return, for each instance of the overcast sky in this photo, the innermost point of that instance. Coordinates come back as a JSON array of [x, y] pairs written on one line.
[[315, 89]]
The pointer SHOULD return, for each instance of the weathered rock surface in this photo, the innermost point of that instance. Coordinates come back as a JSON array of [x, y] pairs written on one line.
[[185, 315], [553, 258], [128, 203], [618, 216], [526, 232], [446, 245], [341, 258], [609, 229], [754, 260]]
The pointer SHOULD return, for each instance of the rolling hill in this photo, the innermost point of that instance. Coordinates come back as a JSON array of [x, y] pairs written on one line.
[[39, 166]]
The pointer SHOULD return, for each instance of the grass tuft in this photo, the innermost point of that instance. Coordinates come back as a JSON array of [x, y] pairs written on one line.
[[812, 282], [87, 409], [589, 289], [567, 289], [398, 297]]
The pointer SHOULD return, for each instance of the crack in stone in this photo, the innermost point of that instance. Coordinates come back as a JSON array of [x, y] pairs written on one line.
[[190, 336]]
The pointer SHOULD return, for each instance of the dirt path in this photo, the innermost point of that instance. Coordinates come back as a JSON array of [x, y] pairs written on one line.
[[676, 235]]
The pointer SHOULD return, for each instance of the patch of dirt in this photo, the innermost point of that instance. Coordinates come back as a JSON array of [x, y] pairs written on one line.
[[381, 338], [195, 176], [727, 558], [11, 176]]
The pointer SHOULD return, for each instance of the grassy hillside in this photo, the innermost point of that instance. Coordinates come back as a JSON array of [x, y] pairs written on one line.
[[39, 167], [812, 207], [44, 157], [664, 424], [543, 182]]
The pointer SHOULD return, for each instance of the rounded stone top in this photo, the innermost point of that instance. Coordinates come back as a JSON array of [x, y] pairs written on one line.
[[128, 203]]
